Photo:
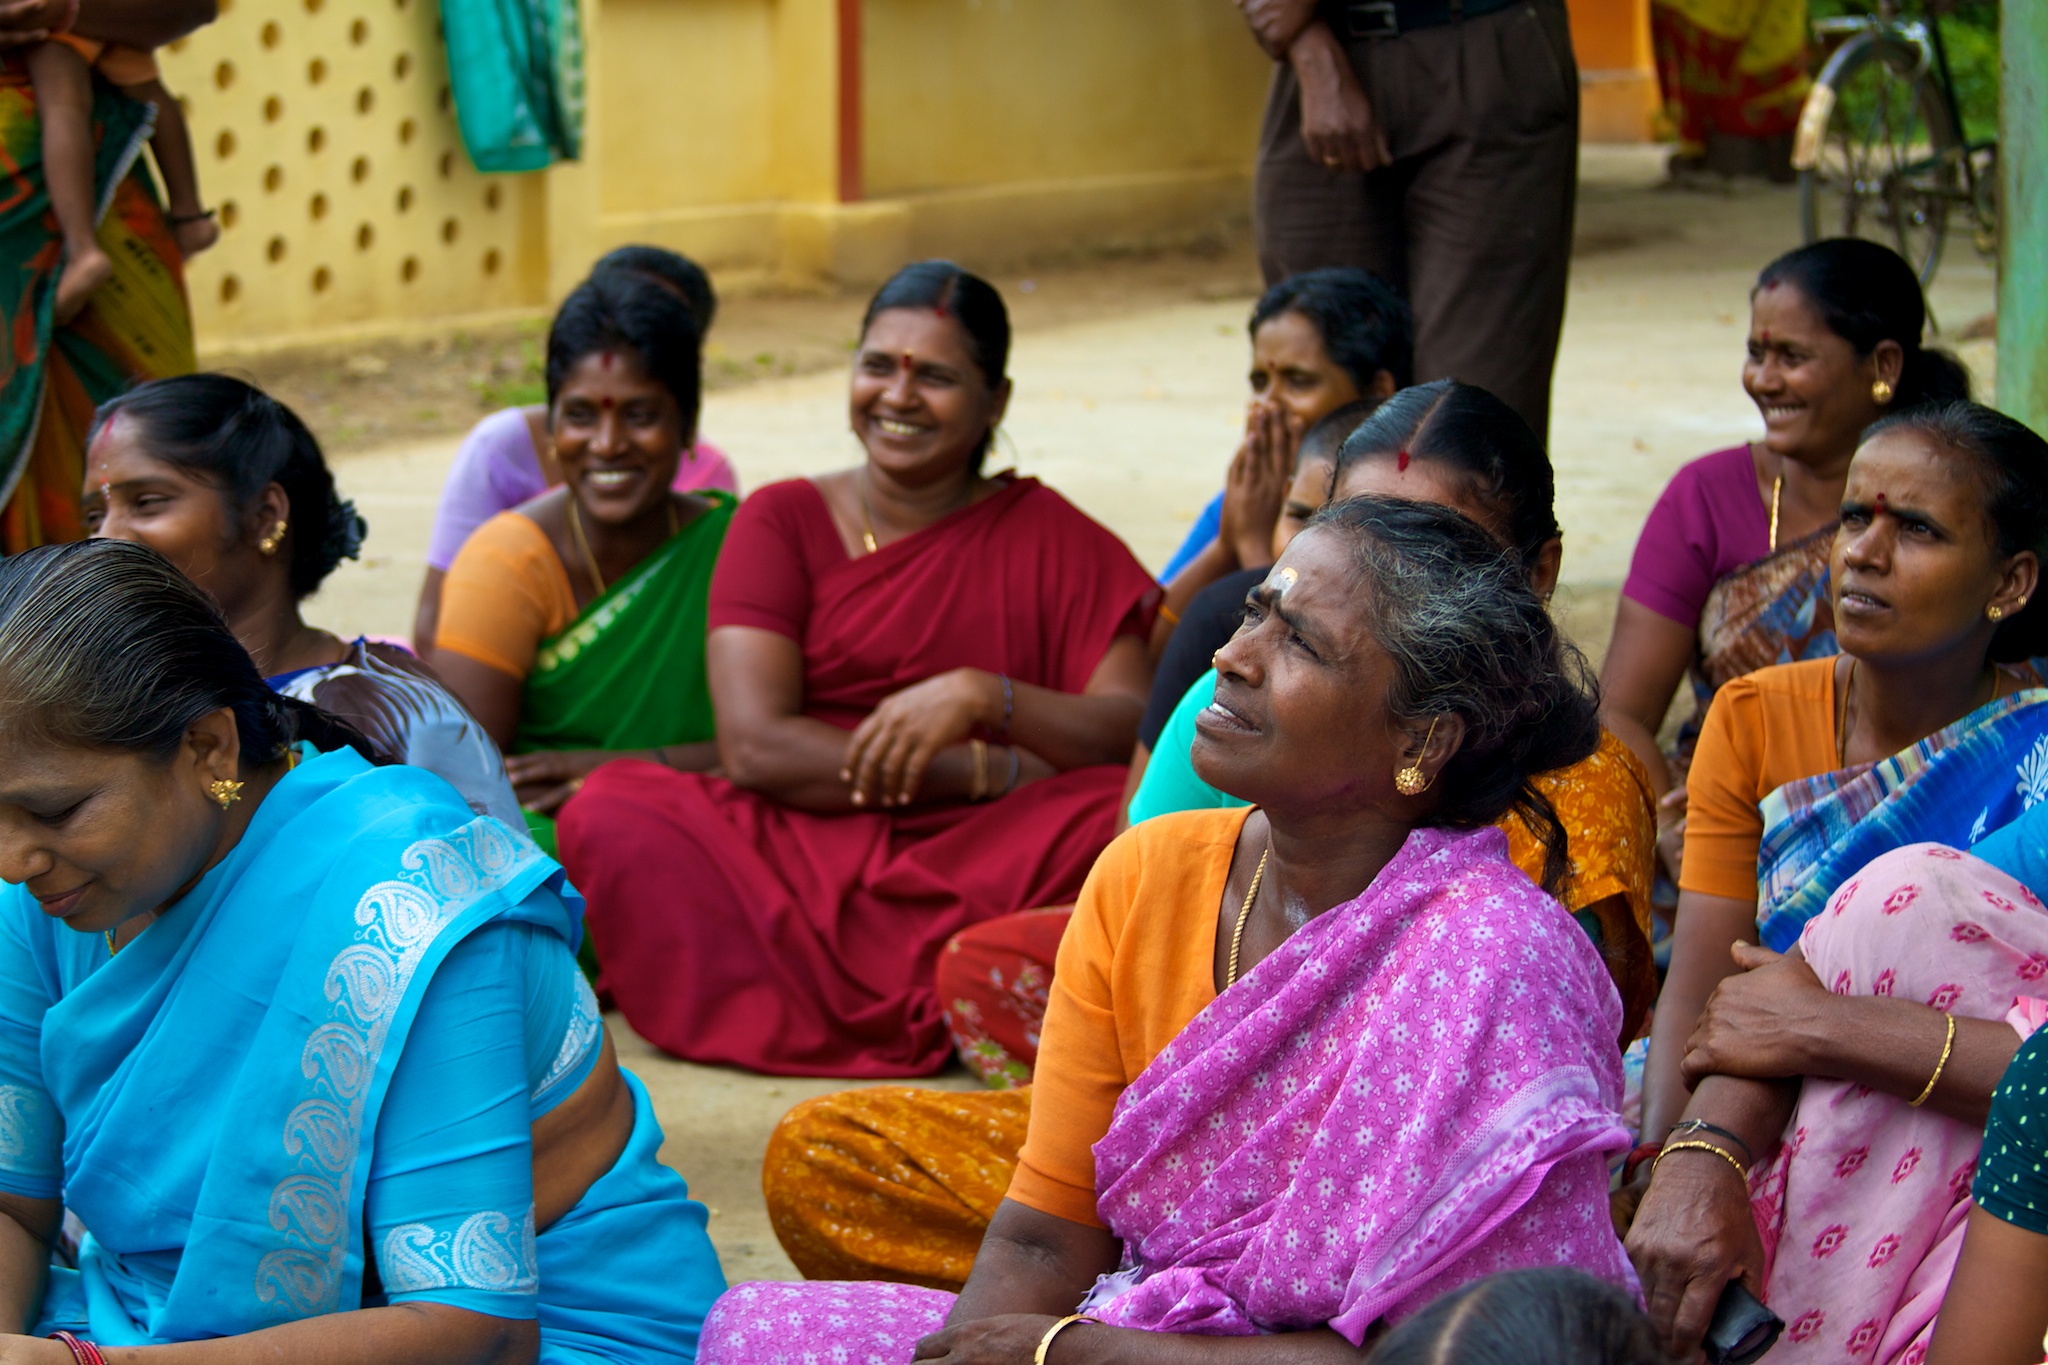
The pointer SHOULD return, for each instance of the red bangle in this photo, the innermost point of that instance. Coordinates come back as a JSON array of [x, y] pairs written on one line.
[[84, 1352], [1637, 1157]]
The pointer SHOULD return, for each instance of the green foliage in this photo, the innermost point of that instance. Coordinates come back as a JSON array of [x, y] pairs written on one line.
[[1970, 29]]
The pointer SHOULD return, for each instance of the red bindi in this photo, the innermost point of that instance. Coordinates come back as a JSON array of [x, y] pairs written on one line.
[[1767, 336], [909, 362], [605, 403], [604, 360], [1401, 463], [1880, 502], [940, 309]]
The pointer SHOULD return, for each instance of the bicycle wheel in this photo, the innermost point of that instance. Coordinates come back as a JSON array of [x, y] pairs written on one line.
[[1882, 163]]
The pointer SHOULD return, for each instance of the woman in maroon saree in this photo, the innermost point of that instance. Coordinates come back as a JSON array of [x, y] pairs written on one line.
[[927, 682]]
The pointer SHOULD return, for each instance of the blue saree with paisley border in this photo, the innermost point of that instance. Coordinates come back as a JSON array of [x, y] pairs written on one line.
[[305, 1089]]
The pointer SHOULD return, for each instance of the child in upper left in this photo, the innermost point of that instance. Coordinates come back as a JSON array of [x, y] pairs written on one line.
[[61, 68]]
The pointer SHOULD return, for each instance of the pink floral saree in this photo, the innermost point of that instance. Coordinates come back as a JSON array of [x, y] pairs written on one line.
[[1419, 1088]]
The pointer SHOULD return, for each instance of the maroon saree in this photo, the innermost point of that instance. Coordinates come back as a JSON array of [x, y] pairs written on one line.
[[733, 929]]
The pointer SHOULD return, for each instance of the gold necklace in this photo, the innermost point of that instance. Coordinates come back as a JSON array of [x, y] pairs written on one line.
[[1777, 492], [1237, 934], [867, 523], [583, 541]]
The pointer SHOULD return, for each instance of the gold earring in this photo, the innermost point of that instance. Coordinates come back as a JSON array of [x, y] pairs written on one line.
[[1881, 392], [270, 542], [225, 792], [1995, 612], [1410, 781]]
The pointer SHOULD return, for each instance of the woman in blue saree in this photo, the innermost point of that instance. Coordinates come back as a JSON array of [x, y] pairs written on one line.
[[298, 1041], [1848, 982]]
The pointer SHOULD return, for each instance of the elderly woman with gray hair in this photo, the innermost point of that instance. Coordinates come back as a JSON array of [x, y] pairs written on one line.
[[1267, 1022]]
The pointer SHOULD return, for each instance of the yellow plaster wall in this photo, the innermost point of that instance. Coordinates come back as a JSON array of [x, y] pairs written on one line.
[[324, 138], [994, 130], [964, 96], [685, 116]]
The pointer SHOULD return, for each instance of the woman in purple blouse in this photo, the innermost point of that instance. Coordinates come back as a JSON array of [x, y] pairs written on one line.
[[508, 459]]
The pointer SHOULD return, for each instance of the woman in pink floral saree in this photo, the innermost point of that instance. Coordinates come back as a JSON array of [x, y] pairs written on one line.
[[1306, 1066]]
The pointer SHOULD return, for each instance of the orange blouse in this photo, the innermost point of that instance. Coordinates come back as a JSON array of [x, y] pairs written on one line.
[[1765, 729], [1136, 966], [505, 593]]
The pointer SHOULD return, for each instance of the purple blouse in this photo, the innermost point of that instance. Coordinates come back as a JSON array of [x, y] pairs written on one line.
[[498, 468], [1708, 522]]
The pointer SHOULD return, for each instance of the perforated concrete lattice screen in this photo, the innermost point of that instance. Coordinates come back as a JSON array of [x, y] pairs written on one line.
[[326, 138]]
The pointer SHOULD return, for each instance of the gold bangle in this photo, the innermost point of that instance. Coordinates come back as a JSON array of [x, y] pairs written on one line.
[[977, 789], [1698, 1146], [1947, 1047], [1045, 1342]]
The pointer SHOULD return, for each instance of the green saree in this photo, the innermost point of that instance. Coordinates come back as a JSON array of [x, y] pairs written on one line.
[[628, 672], [136, 328]]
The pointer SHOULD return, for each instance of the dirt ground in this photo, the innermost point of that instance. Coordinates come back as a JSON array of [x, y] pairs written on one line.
[[1130, 389]]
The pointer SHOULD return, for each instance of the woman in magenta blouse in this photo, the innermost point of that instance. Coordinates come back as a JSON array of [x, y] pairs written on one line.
[[1731, 571]]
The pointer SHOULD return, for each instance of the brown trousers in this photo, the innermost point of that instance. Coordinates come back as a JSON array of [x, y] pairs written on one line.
[[1473, 220]]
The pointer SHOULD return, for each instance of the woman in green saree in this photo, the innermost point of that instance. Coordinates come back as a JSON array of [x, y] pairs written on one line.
[[573, 626], [137, 326]]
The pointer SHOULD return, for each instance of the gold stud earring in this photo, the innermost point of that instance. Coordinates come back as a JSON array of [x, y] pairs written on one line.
[[268, 545], [1995, 612], [225, 792], [1410, 781], [1881, 392]]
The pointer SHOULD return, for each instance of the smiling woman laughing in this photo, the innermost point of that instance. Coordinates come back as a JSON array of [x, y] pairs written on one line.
[[928, 680], [573, 625], [1731, 571]]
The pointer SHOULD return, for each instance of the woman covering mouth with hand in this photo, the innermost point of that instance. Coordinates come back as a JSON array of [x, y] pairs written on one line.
[[573, 625], [1731, 570], [1844, 1067]]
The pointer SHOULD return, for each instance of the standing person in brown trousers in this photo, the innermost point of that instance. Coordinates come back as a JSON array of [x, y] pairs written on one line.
[[1434, 143]]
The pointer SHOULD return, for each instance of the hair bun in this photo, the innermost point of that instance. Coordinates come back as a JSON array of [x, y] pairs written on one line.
[[345, 531]]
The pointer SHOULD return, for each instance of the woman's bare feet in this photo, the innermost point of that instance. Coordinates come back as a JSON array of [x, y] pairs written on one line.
[[195, 234], [84, 271]]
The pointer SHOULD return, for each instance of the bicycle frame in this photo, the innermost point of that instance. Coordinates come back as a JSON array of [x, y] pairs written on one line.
[[1921, 42]]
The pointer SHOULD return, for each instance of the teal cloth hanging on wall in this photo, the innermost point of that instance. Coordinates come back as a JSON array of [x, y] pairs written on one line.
[[516, 67]]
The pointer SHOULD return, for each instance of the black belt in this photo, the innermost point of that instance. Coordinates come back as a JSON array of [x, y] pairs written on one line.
[[1356, 20]]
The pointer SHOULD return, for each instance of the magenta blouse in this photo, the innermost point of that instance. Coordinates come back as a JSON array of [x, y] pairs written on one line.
[[1708, 522]]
